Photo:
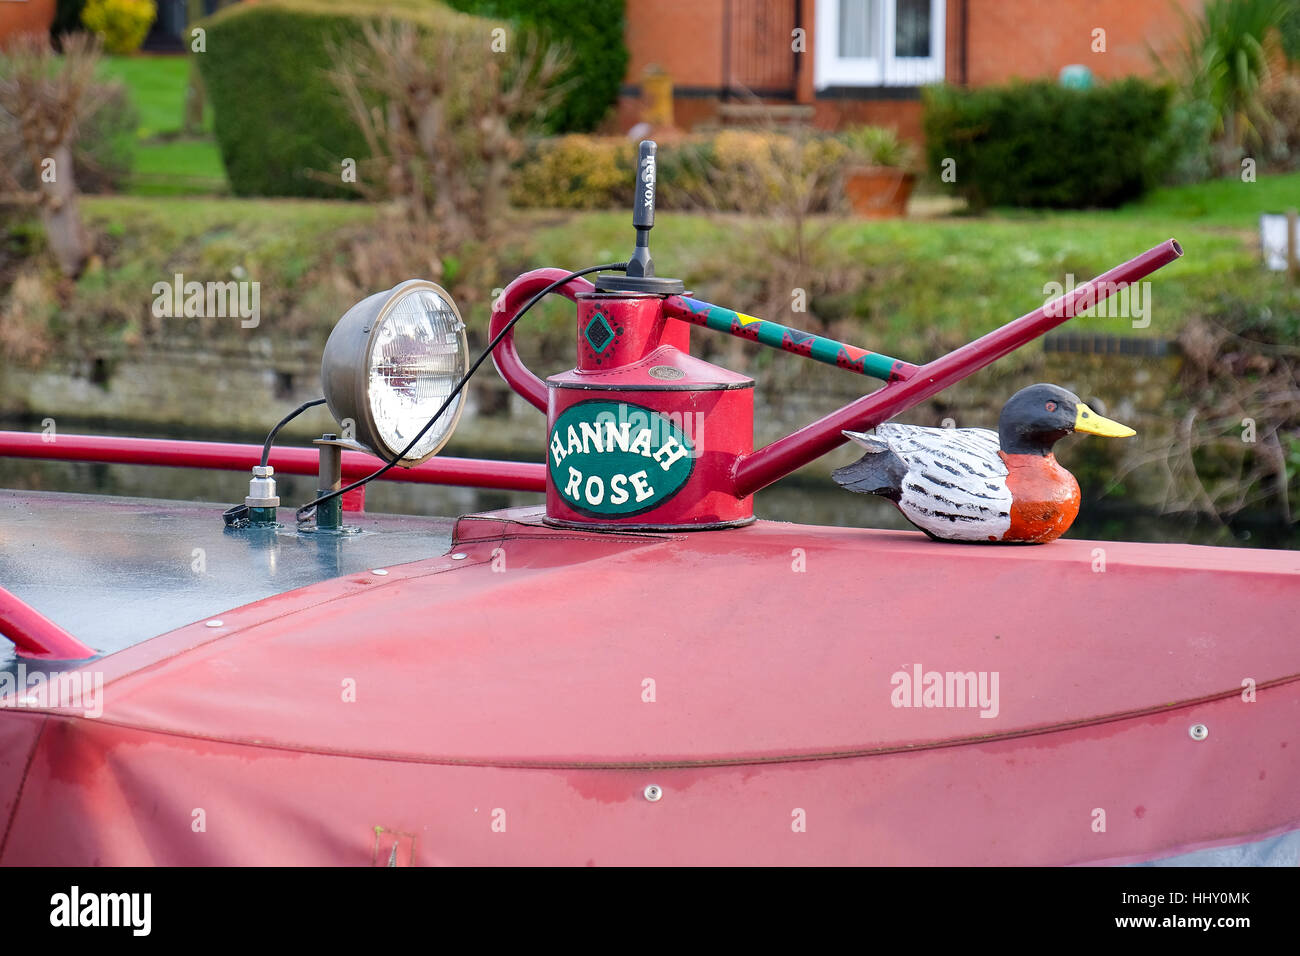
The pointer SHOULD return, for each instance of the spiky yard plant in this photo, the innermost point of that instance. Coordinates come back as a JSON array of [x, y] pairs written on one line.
[[1225, 61]]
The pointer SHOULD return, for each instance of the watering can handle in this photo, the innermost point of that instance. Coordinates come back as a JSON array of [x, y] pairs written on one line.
[[505, 357]]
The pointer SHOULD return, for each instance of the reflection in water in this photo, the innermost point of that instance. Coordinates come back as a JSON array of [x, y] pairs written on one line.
[[1103, 520], [230, 487], [796, 500]]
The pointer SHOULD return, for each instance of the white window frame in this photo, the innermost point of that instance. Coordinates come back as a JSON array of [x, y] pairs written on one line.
[[831, 69]]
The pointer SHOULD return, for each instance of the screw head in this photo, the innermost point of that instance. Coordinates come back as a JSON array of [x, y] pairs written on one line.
[[1198, 731], [654, 793]]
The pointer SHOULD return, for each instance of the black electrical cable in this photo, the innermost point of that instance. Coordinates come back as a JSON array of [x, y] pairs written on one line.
[[270, 439], [238, 516], [392, 462]]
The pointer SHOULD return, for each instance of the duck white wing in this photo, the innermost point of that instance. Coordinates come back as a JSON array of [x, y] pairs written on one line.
[[955, 486]]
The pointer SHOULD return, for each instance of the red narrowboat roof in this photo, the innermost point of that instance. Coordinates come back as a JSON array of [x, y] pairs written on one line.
[[541, 660], [512, 700]]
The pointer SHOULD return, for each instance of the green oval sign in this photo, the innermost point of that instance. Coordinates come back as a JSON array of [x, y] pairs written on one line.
[[614, 458]]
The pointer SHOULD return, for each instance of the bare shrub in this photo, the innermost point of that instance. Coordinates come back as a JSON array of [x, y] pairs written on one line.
[[44, 100], [1282, 136], [24, 320], [782, 182], [443, 116], [1237, 444]]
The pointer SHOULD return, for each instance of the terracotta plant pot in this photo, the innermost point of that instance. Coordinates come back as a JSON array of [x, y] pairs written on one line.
[[879, 192]]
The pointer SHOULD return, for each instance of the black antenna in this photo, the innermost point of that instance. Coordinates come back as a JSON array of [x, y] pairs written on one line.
[[640, 275]]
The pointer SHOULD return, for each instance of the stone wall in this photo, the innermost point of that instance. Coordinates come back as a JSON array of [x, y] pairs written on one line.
[[203, 393]]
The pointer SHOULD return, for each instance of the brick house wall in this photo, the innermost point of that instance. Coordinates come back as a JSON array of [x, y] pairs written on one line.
[[984, 42], [1046, 35]]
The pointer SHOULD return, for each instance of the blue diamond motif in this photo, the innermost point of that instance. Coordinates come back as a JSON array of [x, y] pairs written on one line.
[[599, 334]]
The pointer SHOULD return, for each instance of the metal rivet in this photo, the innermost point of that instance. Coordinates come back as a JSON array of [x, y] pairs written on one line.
[[380, 571], [214, 623], [653, 793], [1198, 731], [459, 556]]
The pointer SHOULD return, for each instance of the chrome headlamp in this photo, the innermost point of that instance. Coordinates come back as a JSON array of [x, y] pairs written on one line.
[[390, 363]]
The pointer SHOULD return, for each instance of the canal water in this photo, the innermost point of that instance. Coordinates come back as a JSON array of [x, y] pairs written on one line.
[[795, 499]]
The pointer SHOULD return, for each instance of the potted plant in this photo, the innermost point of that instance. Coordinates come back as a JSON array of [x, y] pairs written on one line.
[[878, 177]]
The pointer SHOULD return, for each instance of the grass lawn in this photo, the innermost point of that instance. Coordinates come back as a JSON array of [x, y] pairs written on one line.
[[163, 226], [178, 167], [1223, 202], [167, 161], [926, 284], [157, 85], [275, 241], [960, 276]]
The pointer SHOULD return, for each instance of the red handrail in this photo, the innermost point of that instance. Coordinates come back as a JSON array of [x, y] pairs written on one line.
[[35, 634], [226, 456]]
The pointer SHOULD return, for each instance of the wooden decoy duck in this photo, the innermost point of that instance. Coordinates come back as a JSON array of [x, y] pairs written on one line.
[[973, 484]]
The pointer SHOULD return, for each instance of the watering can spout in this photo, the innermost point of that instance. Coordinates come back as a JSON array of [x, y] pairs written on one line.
[[910, 385]]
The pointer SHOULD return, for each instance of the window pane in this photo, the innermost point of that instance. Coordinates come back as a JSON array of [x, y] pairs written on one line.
[[859, 28], [912, 28]]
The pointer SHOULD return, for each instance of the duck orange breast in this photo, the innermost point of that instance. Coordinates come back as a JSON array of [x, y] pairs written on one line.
[[1044, 498]]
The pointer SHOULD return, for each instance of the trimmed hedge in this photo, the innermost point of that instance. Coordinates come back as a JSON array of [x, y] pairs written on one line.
[[277, 115], [1041, 144], [593, 31]]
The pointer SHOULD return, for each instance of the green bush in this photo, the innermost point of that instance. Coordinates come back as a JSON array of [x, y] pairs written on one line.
[[1290, 30], [121, 24], [878, 146], [593, 30], [730, 170], [577, 172], [277, 116], [1186, 149], [1040, 144]]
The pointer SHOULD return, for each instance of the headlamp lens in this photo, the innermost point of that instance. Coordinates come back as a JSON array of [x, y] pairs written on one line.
[[417, 356]]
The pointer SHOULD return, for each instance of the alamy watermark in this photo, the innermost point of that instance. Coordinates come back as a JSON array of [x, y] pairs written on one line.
[[74, 690], [921, 688], [635, 430], [75, 908], [1111, 300], [208, 300]]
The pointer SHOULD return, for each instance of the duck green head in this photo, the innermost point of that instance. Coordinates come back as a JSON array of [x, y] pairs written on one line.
[[1035, 418]]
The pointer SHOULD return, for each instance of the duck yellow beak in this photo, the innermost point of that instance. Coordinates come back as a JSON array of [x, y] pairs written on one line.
[[1086, 420]]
